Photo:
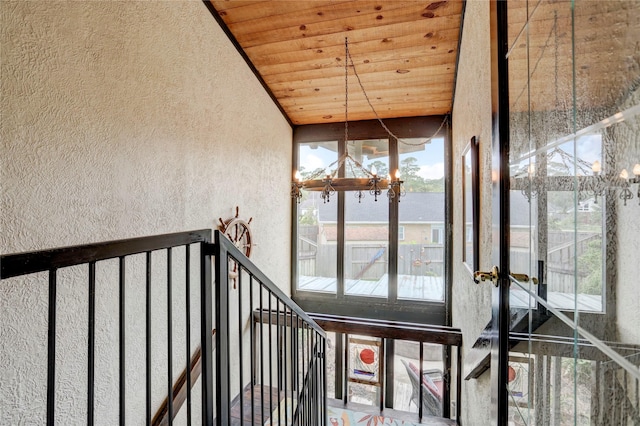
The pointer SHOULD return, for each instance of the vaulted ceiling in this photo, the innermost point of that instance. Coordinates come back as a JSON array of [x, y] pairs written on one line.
[[404, 55]]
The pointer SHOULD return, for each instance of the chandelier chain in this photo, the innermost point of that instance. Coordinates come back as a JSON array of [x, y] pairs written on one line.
[[349, 59], [346, 90]]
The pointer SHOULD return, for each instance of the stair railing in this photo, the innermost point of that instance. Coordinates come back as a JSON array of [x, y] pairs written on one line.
[[172, 256], [270, 371], [281, 365]]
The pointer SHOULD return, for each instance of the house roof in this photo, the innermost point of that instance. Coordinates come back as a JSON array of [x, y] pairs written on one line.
[[415, 207], [418, 207]]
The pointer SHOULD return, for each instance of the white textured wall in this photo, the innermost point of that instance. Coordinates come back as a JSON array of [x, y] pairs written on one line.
[[472, 117], [121, 119], [628, 233]]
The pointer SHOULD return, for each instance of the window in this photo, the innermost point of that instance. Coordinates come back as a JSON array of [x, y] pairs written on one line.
[[317, 223], [358, 256], [437, 235]]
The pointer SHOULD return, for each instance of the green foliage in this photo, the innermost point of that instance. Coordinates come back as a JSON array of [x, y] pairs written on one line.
[[413, 182], [590, 269]]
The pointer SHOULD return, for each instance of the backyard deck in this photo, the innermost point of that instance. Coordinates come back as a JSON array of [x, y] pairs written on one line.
[[432, 288]]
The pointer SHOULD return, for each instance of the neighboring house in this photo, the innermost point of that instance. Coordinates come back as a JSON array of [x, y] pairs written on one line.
[[421, 219]]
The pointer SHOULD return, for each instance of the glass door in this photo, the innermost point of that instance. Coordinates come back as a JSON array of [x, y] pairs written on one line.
[[569, 346]]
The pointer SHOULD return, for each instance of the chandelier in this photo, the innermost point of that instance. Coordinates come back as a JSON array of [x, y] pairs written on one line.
[[601, 183], [592, 182], [327, 180]]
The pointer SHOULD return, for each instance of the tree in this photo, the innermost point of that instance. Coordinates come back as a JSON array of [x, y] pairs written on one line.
[[409, 169]]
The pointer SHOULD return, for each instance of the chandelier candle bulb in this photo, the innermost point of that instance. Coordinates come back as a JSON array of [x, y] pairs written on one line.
[[532, 169], [596, 167], [624, 174], [374, 172], [297, 176], [636, 170]]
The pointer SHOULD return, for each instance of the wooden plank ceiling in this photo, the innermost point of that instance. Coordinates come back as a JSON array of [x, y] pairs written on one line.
[[404, 53]]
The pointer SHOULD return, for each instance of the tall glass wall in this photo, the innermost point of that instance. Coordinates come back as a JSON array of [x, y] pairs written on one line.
[[574, 98]]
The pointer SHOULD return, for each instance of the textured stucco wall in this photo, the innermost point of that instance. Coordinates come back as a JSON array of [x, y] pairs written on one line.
[[472, 117], [122, 119], [627, 137]]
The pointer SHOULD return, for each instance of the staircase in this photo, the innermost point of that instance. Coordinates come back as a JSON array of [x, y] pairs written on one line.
[[159, 295], [203, 337]]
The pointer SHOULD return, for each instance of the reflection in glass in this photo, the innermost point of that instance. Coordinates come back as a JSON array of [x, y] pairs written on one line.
[[574, 68]]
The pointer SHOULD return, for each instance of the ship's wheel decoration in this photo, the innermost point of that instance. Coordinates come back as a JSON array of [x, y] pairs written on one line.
[[239, 233]]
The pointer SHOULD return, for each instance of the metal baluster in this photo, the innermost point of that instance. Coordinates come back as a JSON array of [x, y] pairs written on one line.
[[51, 349], [270, 364], [253, 347], [279, 348], [148, 338], [261, 355], [169, 343], [420, 381], [240, 376], [206, 321], [123, 372], [325, 397], [287, 326], [91, 343], [187, 302]]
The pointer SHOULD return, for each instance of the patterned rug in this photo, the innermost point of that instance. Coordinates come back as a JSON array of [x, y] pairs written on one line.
[[341, 417]]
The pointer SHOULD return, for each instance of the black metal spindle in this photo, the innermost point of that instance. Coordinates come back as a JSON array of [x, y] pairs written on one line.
[[206, 324], [381, 364], [187, 260], [325, 397], [240, 375], [253, 346], [123, 372], [270, 362], [345, 377], [420, 380], [284, 364], [279, 357], [299, 347], [312, 376], [51, 349], [148, 336], [305, 363], [169, 342], [261, 355], [91, 343]]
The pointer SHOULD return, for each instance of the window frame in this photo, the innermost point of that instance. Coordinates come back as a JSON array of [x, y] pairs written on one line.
[[391, 308], [400, 232]]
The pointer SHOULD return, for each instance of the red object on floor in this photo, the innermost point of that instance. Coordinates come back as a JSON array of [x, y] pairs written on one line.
[[367, 356]]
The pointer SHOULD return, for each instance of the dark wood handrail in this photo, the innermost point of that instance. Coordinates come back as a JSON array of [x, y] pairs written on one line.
[[180, 389], [425, 333], [13, 265]]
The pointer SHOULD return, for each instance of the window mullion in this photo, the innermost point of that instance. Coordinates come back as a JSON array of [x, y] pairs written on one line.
[[394, 213]]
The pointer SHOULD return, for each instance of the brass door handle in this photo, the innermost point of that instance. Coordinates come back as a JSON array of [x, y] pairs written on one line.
[[492, 276], [524, 278]]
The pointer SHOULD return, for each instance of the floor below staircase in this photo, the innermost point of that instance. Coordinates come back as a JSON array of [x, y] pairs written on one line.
[[358, 414], [339, 415]]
